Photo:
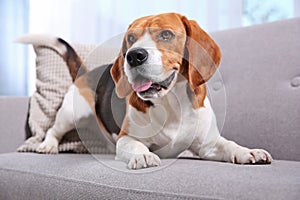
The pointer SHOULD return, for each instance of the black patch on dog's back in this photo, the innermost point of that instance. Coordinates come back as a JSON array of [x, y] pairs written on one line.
[[109, 108]]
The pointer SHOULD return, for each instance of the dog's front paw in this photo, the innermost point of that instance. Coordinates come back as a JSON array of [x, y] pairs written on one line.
[[251, 156], [139, 161], [50, 145]]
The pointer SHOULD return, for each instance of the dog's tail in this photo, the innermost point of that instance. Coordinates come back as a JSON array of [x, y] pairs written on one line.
[[74, 62], [64, 49]]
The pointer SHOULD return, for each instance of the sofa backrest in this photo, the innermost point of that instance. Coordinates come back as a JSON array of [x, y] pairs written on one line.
[[12, 122], [260, 76]]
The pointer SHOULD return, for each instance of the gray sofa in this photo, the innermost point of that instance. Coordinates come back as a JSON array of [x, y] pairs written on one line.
[[256, 96]]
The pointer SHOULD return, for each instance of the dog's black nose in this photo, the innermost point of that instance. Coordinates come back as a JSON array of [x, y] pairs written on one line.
[[136, 57]]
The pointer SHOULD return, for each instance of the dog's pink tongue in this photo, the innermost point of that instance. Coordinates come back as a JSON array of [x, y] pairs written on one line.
[[141, 86]]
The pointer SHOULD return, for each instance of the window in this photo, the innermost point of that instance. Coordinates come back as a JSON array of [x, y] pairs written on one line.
[[257, 12]]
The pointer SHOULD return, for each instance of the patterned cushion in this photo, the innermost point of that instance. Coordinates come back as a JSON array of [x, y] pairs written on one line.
[[52, 82]]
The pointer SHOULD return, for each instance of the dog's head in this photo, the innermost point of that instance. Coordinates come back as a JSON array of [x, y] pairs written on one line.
[[156, 49]]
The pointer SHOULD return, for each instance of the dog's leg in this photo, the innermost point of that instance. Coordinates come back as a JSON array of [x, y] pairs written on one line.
[[135, 153], [216, 147], [64, 122], [229, 151]]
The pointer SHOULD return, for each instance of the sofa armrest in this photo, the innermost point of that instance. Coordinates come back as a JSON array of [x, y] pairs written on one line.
[[14, 111]]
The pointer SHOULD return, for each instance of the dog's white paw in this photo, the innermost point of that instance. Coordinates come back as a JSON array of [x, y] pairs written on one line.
[[144, 160], [50, 146], [251, 156]]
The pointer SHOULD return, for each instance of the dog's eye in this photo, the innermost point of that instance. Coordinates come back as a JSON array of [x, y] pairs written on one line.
[[131, 38], [166, 36]]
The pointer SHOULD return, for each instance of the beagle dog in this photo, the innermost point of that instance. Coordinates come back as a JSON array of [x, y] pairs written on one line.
[[160, 71]]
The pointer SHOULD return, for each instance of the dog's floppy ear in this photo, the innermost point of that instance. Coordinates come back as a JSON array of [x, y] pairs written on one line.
[[123, 88], [202, 54]]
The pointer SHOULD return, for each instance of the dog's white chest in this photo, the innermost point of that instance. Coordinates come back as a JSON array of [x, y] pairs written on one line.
[[171, 125]]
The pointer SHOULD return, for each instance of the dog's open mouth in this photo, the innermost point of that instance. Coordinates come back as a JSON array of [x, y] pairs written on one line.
[[145, 86]]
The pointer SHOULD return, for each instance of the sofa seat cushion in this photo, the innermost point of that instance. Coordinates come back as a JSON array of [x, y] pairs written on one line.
[[85, 176]]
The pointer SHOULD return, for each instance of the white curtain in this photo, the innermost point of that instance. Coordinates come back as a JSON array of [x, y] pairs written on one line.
[[95, 21], [13, 57]]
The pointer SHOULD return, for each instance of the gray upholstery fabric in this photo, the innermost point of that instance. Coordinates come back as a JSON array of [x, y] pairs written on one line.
[[12, 122], [261, 83], [81, 176]]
